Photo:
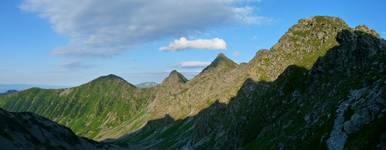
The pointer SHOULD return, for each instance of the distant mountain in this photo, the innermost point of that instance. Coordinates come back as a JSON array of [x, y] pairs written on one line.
[[20, 87], [9, 92], [146, 85], [322, 86]]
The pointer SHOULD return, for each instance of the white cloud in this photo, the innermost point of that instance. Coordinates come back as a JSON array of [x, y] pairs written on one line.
[[184, 44], [193, 64], [105, 28]]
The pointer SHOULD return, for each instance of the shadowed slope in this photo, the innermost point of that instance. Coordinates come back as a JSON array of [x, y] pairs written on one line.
[[298, 110], [29, 131]]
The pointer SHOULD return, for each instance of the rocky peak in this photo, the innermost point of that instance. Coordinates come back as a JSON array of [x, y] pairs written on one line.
[[301, 45], [365, 29], [220, 63], [174, 78], [314, 30]]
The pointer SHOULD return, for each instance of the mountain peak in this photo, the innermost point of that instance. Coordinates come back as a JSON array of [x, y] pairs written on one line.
[[111, 79], [221, 56], [366, 29], [174, 78], [322, 20], [221, 62]]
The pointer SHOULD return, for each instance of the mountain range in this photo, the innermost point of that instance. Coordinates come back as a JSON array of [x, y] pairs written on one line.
[[19, 87], [322, 86]]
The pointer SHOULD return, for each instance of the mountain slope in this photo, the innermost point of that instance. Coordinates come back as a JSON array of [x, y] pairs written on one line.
[[89, 109], [29, 131], [301, 45], [189, 98], [335, 101]]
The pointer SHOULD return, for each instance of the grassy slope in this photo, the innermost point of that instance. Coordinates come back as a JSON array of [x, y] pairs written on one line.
[[101, 104]]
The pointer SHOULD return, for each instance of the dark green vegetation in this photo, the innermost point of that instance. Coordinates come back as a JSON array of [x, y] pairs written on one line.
[[101, 104], [321, 86]]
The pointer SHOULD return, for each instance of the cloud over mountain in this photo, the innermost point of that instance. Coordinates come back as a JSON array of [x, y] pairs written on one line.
[[184, 44], [105, 28]]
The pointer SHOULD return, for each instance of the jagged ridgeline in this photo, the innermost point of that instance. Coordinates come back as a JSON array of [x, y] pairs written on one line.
[[321, 86]]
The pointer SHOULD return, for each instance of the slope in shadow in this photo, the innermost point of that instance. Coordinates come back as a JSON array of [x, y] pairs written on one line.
[[297, 110]]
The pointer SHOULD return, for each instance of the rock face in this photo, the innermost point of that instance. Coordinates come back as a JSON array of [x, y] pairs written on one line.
[[28, 131], [321, 86]]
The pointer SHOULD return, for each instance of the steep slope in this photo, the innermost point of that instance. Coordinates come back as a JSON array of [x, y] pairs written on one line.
[[332, 95], [301, 45], [89, 109], [189, 98], [29, 131]]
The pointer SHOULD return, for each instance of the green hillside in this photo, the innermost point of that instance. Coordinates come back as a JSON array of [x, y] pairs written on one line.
[[101, 104]]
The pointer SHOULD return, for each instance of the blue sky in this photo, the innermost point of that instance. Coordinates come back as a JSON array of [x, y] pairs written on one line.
[[70, 42]]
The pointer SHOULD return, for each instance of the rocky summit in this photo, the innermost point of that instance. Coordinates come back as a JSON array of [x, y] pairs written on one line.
[[321, 86]]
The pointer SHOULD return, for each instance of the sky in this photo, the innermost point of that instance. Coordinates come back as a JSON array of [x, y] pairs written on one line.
[[70, 42]]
